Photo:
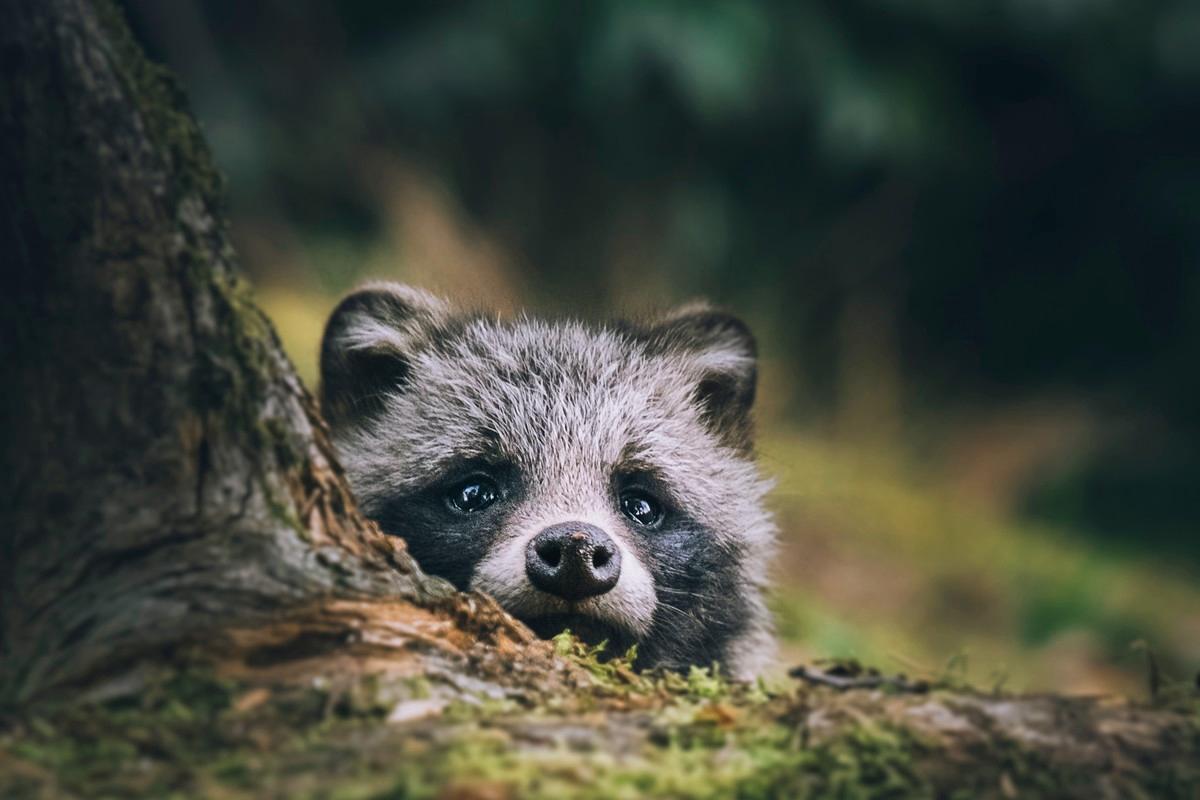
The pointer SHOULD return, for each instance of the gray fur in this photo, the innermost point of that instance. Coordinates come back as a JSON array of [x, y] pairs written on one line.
[[418, 394]]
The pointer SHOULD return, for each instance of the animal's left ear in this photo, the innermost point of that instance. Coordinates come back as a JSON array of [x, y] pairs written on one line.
[[722, 352]]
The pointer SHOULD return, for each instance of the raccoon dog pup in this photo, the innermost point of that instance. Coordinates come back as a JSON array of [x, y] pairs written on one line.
[[592, 477]]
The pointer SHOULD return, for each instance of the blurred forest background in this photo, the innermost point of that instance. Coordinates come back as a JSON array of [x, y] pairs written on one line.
[[967, 234]]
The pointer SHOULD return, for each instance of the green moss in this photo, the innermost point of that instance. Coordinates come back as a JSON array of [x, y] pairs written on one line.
[[163, 108], [751, 762], [98, 748], [609, 670], [236, 348], [617, 674], [694, 737]]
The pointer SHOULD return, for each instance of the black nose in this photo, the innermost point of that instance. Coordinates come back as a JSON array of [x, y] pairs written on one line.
[[573, 560]]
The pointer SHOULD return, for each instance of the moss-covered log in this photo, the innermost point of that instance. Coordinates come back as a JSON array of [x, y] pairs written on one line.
[[189, 600], [617, 734]]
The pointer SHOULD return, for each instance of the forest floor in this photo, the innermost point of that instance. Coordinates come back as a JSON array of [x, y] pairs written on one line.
[[606, 732]]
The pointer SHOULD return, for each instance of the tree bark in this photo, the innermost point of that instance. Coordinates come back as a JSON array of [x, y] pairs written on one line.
[[166, 477], [169, 501]]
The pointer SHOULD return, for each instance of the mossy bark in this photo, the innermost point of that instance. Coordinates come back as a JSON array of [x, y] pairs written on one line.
[[166, 478], [189, 600]]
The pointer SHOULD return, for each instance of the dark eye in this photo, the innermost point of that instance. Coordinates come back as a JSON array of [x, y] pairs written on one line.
[[474, 494], [641, 508]]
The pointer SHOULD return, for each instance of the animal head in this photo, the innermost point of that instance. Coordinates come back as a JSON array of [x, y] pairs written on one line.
[[592, 477]]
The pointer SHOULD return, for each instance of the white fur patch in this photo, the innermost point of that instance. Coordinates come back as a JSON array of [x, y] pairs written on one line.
[[629, 605]]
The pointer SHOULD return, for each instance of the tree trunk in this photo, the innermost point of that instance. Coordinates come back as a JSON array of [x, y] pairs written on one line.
[[171, 509], [166, 477]]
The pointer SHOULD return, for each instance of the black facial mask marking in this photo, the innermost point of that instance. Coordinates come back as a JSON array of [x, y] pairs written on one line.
[[447, 542]]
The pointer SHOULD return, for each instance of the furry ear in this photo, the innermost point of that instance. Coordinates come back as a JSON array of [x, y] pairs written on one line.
[[368, 344], [723, 352]]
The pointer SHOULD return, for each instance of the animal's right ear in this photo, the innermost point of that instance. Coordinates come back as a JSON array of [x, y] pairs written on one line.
[[368, 346]]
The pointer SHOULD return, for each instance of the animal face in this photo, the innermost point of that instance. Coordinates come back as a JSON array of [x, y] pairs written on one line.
[[596, 478]]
